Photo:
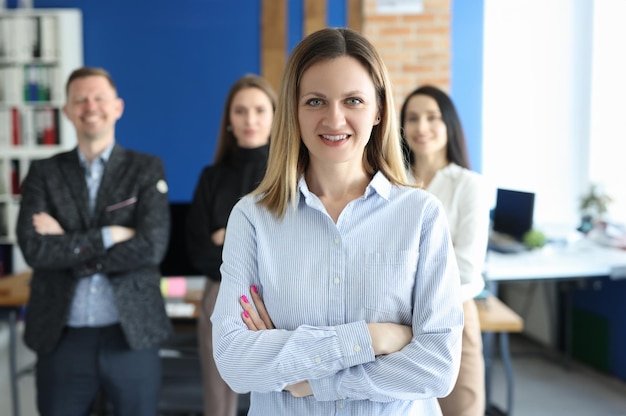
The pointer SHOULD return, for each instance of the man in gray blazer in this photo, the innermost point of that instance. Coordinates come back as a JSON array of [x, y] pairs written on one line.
[[94, 226]]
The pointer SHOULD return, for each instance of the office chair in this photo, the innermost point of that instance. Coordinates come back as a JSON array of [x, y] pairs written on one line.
[[181, 386]]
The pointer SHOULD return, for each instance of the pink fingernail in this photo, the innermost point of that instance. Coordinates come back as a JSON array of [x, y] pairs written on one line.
[[254, 289], [245, 313], [244, 298]]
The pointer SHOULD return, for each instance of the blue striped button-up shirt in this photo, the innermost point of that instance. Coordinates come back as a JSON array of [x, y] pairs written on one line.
[[387, 259], [94, 303]]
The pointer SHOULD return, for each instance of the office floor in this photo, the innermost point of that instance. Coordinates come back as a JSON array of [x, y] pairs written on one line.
[[544, 386]]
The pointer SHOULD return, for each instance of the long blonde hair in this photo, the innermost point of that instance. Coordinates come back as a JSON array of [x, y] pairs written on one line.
[[288, 157]]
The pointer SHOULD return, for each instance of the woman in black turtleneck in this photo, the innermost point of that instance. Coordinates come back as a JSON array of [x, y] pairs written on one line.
[[238, 167]]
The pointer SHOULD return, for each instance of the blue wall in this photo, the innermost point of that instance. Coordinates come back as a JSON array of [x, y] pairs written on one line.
[[173, 63], [467, 72]]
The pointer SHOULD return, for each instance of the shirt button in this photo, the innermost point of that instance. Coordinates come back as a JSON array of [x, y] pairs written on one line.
[[357, 348], [341, 405], [318, 360], [336, 240], [93, 290], [76, 250], [336, 280]]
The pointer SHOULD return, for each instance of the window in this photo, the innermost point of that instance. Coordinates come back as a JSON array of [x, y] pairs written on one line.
[[536, 102], [608, 108]]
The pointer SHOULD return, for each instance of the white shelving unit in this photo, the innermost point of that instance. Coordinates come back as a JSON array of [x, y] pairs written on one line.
[[39, 48]]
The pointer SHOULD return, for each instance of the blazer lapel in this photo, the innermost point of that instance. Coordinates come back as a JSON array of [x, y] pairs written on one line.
[[111, 179], [75, 178]]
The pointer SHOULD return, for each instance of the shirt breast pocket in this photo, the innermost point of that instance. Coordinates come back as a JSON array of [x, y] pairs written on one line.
[[122, 212], [390, 279]]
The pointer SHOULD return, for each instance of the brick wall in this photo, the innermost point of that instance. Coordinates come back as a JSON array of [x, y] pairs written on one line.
[[415, 48]]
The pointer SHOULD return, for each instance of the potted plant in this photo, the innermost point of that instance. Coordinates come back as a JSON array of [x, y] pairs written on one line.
[[593, 207]]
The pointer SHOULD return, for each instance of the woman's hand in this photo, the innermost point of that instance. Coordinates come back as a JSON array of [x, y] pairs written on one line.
[[258, 319], [255, 319], [301, 389]]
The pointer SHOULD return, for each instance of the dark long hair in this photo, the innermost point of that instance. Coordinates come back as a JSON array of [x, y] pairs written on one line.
[[456, 149]]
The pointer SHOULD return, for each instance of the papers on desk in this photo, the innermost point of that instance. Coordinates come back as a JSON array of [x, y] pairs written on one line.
[[182, 295], [609, 234], [180, 309]]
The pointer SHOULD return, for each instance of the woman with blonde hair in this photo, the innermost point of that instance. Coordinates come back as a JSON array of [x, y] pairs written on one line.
[[354, 294]]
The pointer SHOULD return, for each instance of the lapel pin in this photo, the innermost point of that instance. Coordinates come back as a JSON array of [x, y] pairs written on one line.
[[161, 186]]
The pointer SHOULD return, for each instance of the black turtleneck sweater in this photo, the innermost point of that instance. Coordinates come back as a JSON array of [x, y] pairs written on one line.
[[219, 188]]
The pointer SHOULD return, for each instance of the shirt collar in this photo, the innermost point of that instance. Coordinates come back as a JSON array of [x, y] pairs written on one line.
[[104, 156], [379, 184]]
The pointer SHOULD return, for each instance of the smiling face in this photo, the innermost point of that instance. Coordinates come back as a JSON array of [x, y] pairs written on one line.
[[93, 107], [425, 131], [250, 116], [337, 110]]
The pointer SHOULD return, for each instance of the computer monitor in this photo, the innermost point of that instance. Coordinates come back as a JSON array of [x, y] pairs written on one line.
[[513, 214]]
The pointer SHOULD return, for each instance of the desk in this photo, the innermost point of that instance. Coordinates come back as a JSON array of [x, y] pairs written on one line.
[[185, 304], [578, 261], [497, 318], [14, 294], [581, 260]]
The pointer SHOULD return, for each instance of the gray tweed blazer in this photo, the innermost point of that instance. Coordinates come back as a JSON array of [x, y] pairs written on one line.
[[133, 193]]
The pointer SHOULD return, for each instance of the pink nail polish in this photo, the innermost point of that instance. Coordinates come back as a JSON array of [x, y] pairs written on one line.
[[254, 289], [244, 298], [245, 313]]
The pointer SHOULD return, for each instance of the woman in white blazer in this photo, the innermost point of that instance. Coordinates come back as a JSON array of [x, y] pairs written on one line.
[[436, 154]]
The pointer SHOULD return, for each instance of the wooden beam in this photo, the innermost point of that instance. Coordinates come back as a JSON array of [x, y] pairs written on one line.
[[355, 14], [273, 40], [314, 16]]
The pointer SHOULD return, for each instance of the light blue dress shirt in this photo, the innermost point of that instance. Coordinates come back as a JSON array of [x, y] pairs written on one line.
[[93, 304], [389, 258]]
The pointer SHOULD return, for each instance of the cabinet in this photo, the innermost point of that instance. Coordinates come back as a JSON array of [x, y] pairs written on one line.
[[39, 48]]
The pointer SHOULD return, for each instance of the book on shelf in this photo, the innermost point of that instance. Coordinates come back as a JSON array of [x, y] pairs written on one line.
[[16, 127], [4, 226], [47, 126], [24, 37], [5, 127], [28, 83], [18, 35], [3, 185], [38, 49], [36, 83], [16, 180], [30, 126], [11, 90], [47, 39], [11, 126]]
